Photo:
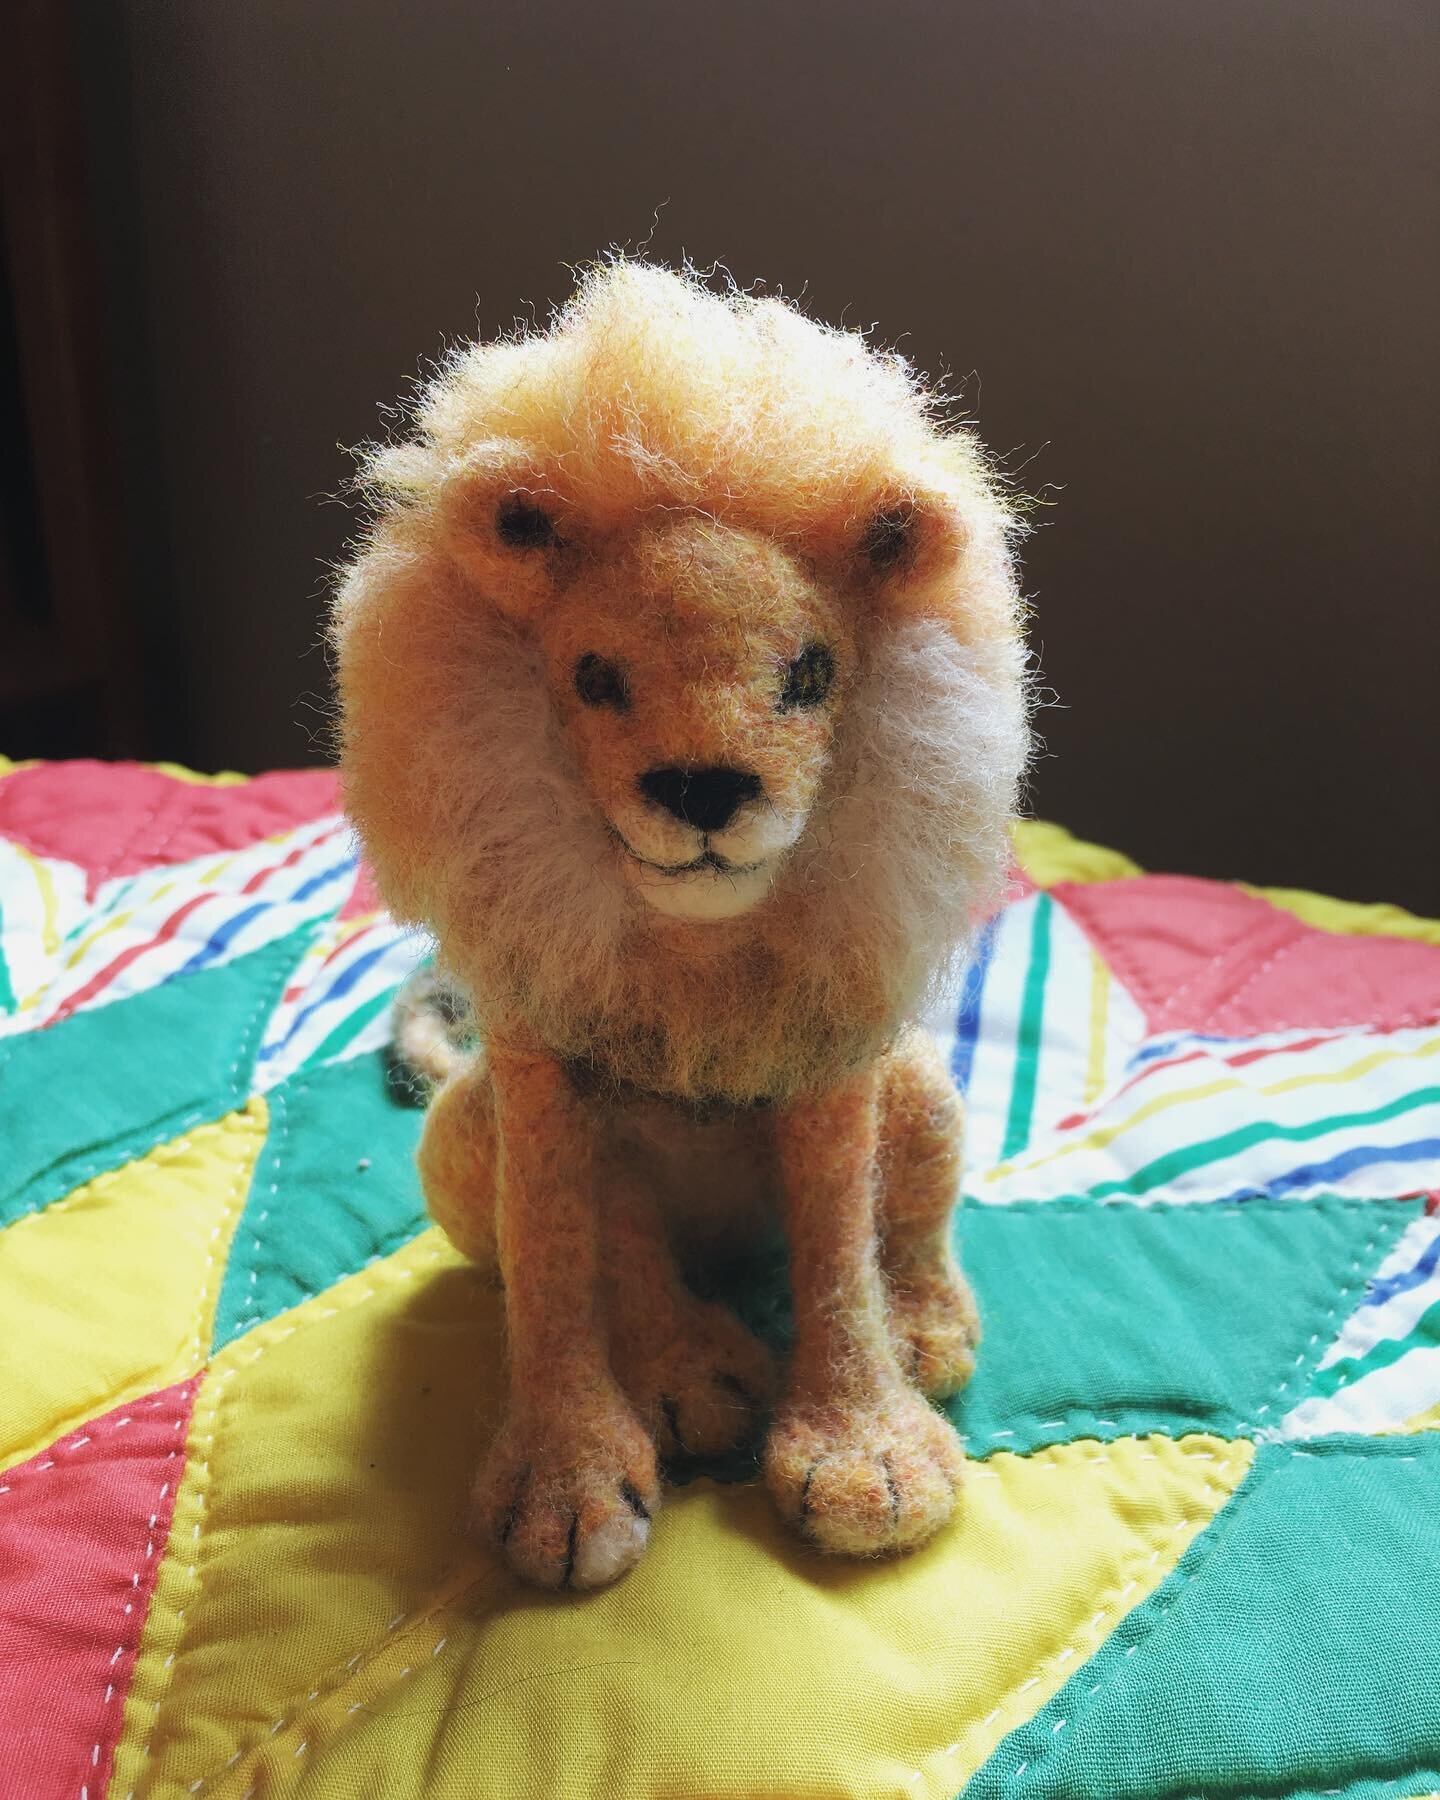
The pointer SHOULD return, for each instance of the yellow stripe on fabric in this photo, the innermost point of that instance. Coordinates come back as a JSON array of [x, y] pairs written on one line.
[[1351, 917], [1048, 854], [1428, 1420], [1099, 1008], [114, 924], [8, 766], [112, 1290], [200, 881], [1097, 1140], [320, 1628], [353, 926], [178, 772], [46, 883]]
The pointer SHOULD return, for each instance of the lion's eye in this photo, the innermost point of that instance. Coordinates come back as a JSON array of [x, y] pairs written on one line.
[[809, 678], [600, 683], [524, 526], [888, 537]]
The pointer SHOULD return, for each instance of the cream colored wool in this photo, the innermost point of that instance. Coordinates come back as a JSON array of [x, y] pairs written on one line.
[[684, 532]]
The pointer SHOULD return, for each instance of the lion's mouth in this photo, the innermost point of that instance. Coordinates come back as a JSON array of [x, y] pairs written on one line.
[[705, 888], [708, 862]]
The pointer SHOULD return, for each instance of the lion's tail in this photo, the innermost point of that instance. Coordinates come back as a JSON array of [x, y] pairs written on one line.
[[434, 1036]]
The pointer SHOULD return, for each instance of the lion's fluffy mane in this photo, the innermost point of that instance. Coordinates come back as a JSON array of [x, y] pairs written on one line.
[[650, 391]]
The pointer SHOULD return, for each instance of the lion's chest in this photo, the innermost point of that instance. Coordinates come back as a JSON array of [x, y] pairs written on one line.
[[711, 1170]]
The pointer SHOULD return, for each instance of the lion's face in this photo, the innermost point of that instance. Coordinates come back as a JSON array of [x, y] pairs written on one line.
[[699, 673]]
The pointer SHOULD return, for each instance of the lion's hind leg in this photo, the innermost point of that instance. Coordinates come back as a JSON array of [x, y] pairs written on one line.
[[457, 1159], [933, 1320], [695, 1375]]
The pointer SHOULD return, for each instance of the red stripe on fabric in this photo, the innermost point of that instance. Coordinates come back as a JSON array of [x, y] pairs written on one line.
[[84, 1526], [296, 988], [1250, 1056], [261, 876], [1239, 1061], [122, 962], [1166, 1062], [340, 949]]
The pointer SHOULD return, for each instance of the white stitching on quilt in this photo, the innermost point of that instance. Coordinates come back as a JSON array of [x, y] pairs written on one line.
[[268, 1335], [1221, 1497], [1359, 1273], [130, 1640], [233, 1099], [1227, 1505], [209, 1291]]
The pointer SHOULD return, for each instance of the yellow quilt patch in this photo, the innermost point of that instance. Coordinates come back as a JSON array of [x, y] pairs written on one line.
[[111, 1291], [317, 1593]]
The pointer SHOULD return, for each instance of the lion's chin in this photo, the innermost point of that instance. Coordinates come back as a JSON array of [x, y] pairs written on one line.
[[702, 893]]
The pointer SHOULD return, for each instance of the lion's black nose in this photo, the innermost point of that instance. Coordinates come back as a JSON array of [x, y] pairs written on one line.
[[708, 799]]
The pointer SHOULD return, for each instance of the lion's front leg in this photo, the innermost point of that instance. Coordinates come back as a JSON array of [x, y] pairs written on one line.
[[855, 1458], [570, 1484]]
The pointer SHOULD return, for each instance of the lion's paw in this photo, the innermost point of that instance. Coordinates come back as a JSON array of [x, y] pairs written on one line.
[[570, 1505], [702, 1388], [867, 1480]]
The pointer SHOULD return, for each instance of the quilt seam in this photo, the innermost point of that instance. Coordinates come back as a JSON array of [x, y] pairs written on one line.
[[193, 1351], [1209, 1536], [231, 1097], [273, 1333], [457, 1582], [1224, 1499], [132, 1634], [1359, 1273]]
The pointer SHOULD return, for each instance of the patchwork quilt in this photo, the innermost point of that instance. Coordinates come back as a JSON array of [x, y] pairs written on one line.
[[243, 1384]]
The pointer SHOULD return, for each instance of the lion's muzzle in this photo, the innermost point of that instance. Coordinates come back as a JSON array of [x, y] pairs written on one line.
[[702, 843]]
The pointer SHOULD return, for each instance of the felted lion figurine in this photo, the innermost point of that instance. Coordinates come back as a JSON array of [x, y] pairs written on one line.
[[684, 704]]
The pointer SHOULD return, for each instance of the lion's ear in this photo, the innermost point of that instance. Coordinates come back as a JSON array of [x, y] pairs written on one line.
[[936, 546], [908, 548], [504, 525]]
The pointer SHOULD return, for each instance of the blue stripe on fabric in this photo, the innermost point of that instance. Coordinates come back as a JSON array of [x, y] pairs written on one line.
[[324, 878], [341, 986], [1167, 1046], [222, 936], [1381, 1291], [967, 1025], [1363, 1156]]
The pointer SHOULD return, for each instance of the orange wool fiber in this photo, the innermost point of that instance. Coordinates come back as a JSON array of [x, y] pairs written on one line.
[[684, 703]]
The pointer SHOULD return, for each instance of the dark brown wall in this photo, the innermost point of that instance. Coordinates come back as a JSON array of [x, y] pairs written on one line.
[[1189, 250]]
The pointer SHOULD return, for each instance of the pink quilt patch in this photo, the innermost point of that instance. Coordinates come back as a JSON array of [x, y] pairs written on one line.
[[117, 818], [83, 1527], [1200, 956]]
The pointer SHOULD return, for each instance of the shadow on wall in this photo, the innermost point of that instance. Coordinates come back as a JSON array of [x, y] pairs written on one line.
[[1181, 260]]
